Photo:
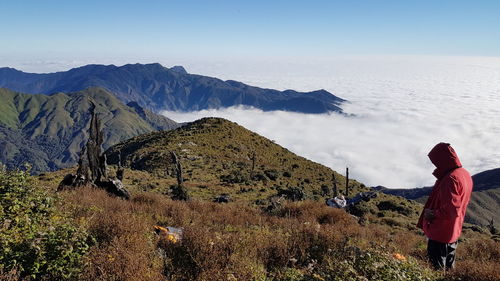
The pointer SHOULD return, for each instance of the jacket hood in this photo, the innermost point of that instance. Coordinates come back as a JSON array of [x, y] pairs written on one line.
[[444, 157]]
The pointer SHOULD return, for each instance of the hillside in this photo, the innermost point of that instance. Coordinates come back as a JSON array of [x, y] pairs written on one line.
[[159, 88], [217, 158], [48, 131], [219, 153], [485, 200], [107, 238]]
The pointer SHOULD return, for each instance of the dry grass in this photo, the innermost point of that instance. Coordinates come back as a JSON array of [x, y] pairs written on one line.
[[227, 241], [125, 247], [478, 259]]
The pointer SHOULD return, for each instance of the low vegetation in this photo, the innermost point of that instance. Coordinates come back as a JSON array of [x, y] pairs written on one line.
[[37, 239], [93, 236]]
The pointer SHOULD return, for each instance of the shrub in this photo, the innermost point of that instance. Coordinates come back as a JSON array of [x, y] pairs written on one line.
[[235, 176], [271, 174], [325, 190], [303, 240], [474, 271], [353, 263], [125, 241], [360, 210], [393, 206], [293, 193], [258, 176], [35, 239], [492, 228]]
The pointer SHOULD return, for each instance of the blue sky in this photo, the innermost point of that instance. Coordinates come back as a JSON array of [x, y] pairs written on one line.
[[212, 28]]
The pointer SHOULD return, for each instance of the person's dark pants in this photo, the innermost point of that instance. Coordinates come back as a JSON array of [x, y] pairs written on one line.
[[441, 255]]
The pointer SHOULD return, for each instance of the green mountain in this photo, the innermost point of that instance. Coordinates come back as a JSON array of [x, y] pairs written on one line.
[[48, 131], [220, 153]]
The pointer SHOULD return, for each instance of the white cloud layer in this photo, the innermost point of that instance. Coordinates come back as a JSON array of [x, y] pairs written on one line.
[[403, 105]]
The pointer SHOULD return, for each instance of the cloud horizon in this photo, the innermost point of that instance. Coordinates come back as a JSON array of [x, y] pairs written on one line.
[[403, 106]]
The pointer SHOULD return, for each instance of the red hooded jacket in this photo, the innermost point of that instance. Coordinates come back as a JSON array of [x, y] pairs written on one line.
[[449, 197]]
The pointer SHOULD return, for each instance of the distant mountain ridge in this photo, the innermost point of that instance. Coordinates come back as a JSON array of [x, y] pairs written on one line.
[[485, 200], [159, 88], [48, 131]]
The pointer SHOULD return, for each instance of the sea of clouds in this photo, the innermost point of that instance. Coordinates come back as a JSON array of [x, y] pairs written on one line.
[[402, 106]]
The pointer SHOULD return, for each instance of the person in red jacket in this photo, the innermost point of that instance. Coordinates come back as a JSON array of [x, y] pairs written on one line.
[[444, 211]]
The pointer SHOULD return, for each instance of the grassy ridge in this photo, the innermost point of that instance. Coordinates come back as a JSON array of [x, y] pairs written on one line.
[[219, 154], [217, 157]]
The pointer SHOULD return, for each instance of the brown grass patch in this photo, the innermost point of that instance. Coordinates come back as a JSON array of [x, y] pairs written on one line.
[[227, 241]]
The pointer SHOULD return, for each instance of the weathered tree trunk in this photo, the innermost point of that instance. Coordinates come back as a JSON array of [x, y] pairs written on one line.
[[347, 181], [178, 168], [97, 164], [179, 192], [91, 159], [253, 164], [82, 173], [103, 167], [335, 189], [120, 171]]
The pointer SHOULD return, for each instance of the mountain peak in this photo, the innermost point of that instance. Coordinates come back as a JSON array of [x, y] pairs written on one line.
[[179, 69]]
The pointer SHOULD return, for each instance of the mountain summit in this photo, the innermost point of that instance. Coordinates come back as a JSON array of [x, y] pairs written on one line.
[[159, 88]]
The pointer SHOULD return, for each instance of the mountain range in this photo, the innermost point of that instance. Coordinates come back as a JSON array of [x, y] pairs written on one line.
[[48, 131], [48, 128], [157, 88]]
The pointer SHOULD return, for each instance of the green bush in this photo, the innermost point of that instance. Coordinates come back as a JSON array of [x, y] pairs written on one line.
[[293, 193], [356, 264], [360, 210], [271, 174], [258, 176], [325, 190], [35, 240], [235, 176], [393, 206]]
